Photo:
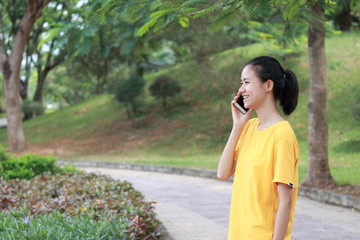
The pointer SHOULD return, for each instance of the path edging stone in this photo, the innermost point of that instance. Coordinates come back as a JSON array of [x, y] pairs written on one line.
[[312, 193], [330, 197]]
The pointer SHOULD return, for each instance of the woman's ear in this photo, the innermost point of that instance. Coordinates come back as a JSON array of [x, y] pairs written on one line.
[[269, 85]]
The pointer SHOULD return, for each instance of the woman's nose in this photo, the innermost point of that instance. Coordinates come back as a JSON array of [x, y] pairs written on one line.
[[241, 89]]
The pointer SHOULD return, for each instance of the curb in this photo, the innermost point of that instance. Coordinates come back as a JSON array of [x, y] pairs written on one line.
[[194, 172], [312, 193], [347, 201]]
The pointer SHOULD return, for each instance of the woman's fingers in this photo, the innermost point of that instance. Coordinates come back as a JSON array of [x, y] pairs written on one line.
[[237, 96]]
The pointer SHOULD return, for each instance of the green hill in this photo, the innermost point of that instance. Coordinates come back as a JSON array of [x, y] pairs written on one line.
[[194, 129]]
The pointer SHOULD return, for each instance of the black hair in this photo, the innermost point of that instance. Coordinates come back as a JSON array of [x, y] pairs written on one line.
[[286, 87]]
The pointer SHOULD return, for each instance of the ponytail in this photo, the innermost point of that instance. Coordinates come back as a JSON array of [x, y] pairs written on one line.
[[286, 87], [289, 93]]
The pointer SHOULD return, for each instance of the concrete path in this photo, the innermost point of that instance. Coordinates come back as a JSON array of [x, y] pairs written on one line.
[[193, 208], [3, 122]]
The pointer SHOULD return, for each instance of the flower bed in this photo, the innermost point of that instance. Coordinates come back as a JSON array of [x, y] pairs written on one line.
[[77, 205]]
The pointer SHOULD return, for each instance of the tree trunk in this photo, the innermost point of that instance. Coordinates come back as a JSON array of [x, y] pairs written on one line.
[[42, 74], [24, 84], [128, 111], [16, 136], [100, 86], [164, 102], [318, 174], [10, 67], [40, 85]]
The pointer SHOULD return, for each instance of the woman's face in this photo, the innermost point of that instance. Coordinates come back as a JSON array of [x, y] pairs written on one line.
[[252, 88]]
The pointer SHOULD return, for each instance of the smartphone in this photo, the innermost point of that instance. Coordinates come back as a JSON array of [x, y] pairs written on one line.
[[240, 105]]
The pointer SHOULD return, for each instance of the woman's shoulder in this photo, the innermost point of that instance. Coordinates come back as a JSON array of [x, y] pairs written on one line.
[[251, 123], [284, 129]]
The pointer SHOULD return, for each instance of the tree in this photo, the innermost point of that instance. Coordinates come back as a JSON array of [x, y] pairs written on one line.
[[32, 109], [10, 64], [164, 87], [342, 16], [163, 13], [318, 174], [52, 60], [52, 39], [128, 92]]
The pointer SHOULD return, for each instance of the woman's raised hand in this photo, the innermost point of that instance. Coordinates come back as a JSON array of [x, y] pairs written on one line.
[[237, 115]]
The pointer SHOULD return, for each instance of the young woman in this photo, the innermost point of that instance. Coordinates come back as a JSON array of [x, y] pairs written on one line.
[[263, 153]]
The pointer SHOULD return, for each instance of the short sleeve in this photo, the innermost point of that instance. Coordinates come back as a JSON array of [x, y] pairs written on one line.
[[241, 139], [286, 157]]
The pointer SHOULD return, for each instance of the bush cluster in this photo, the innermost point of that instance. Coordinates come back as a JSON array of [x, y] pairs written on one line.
[[27, 166], [32, 109], [80, 202], [39, 200], [164, 87], [128, 92]]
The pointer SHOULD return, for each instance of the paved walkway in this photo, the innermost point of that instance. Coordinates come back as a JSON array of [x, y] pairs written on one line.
[[3, 122], [193, 208]]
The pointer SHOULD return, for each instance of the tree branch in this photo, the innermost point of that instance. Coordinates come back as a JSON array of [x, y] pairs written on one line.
[[50, 53], [203, 10]]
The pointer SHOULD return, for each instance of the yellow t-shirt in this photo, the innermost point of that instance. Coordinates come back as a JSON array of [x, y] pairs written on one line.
[[264, 158]]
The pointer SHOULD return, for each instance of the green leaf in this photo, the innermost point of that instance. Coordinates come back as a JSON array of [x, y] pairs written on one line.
[[184, 22], [291, 10], [145, 28], [258, 8], [226, 17], [187, 11], [354, 3], [192, 2], [105, 50], [158, 13], [265, 36], [126, 33], [91, 30], [84, 48], [154, 19], [206, 11], [128, 46], [50, 35]]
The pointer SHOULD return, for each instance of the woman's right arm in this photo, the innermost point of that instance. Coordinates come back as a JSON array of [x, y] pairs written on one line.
[[227, 164]]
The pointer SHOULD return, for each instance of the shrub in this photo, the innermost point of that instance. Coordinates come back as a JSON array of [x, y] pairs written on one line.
[[164, 87], [97, 199], [32, 109], [3, 155], [128, 91], [28, 166]]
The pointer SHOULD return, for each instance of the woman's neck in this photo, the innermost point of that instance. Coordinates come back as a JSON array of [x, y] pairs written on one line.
[[268, 115]]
